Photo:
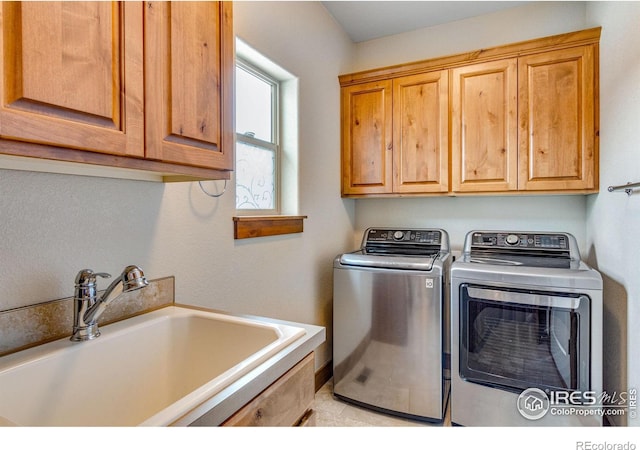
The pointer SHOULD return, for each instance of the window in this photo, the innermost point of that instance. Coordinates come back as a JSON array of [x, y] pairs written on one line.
[[257, 140], [266, 173]]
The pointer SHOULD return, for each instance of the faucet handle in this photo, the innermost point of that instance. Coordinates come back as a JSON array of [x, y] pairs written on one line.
[[87, 277]]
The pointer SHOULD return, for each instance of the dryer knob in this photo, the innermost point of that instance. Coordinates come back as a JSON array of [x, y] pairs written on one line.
[[398, 235], [512, 239]]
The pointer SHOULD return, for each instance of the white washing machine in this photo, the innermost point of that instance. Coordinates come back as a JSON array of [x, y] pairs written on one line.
[[526, 342]]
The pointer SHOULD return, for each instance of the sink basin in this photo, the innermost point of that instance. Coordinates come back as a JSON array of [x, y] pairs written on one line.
[[147, 370]]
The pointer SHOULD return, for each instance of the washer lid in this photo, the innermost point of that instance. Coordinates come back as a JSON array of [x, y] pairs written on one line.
[[362, 259]]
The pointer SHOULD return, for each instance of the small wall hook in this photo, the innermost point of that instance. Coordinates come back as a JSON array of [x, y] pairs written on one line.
[[224, 189]]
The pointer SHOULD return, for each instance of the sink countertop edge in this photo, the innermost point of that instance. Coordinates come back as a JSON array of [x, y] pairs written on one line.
[[224, 404]]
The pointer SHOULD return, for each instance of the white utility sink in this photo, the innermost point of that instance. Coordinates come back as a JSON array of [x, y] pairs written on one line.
[[148, 370]]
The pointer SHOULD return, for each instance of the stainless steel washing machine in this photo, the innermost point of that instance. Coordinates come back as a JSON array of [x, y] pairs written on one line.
[[526, 344], [389, 311]]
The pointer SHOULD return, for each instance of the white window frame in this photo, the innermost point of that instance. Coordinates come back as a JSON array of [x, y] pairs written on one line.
[[252, 223], [273, 145]]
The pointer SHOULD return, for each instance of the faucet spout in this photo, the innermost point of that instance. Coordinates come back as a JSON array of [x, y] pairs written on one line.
[[130, 279], [88, 307]]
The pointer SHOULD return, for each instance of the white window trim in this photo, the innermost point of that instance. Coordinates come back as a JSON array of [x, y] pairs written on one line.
[[274, 144], [255, 223]]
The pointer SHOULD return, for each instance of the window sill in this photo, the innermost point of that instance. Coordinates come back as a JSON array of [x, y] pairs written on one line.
[[245, 227]]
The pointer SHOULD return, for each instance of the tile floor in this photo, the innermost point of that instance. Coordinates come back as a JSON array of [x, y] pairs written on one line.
[[331, 412]]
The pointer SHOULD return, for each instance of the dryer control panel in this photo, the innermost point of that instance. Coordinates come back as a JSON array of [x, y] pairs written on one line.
[[528, 249], [511, 240]]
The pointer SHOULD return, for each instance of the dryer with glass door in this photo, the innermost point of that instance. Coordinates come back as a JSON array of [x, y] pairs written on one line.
[[526, 342]]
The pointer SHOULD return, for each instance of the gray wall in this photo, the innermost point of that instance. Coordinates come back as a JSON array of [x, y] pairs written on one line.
[[613, 219], [460, 215], [54, 225]]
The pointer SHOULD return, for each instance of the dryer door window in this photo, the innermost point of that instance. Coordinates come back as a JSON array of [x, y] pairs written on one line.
[[516, 339]]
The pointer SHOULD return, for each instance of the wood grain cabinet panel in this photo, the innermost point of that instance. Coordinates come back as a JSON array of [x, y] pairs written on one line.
[[520, 117], [484, 139], [189, 67], [395, 136], [133, 85], [558, 148], [367, 138], [287, 402], [64, 68], [421, 133]]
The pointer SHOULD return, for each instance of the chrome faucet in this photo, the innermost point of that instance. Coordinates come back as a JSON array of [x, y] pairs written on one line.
[[87, 307]]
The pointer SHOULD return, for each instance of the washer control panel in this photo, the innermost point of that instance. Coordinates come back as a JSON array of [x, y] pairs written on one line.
[[378, 235], [501, 240], [405, 242]]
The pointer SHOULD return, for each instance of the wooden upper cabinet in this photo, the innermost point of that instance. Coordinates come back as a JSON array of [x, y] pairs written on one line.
[[395, 136], [421, 133], [189, 69], [484, 139], [367, 138], [557, 119], [520, 117], [131, 85], [64, 68]]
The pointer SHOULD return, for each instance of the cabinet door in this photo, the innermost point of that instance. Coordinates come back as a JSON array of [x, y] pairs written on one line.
[[420, 133], [557, 99], [284, 403], [484, 130], [366, 138], [72, 75], [189, 67]]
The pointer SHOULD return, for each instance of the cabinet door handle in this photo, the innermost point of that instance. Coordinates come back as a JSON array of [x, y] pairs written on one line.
[[308, 419]]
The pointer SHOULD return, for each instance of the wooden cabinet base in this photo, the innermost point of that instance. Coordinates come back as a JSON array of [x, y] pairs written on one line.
[[287, 402]]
